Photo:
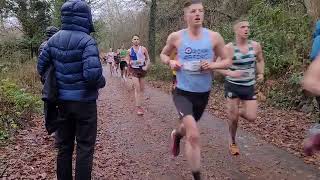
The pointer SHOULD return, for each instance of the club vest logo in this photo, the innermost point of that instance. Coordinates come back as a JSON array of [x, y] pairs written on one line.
[[196, 54], [188, 50]]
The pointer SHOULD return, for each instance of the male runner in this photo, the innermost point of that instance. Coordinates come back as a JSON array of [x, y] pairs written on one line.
[[110, 60], [116, 60], [196, 49], [123, 62], [247, 59], [139, 62]]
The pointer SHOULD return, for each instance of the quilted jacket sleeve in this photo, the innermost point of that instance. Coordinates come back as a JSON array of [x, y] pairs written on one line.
[[315, 48], [92, 69], [43, 60]]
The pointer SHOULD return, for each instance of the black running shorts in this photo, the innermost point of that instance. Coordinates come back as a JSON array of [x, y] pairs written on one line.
[[117, 60], [123, 64], [234, 91], [190, 103], [138, 72]]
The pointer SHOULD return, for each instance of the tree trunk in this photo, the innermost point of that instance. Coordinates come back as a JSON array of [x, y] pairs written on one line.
[[31, 49], [152, 30], [313, 7]]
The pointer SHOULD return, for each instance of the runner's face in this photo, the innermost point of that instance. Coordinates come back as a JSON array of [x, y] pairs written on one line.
[[135, 41], [194, 14], [243, 29]]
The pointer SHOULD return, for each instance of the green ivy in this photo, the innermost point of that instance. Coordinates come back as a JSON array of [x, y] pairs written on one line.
[[16, 104]]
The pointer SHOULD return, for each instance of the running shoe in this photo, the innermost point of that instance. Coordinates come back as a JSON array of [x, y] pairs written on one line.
[[234, 150], [140, 111]]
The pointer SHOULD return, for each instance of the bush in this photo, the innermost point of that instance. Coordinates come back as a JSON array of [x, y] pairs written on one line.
[[22, 100], [13, 51], [19, 81], [285, 31], [16, 105], [23, 74], [160, 72]]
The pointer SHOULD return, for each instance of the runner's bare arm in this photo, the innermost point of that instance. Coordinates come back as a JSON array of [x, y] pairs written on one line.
[[168, 48], [220, 51], [311, 81], [227, 72], [260, 63], [224, 72], [127, 58]]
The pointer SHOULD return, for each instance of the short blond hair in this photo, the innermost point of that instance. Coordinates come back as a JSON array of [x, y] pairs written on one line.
[[243, 19]]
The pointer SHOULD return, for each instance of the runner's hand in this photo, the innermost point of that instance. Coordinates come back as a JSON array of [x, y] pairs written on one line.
[[206, 66], [145, 68], [260, 77], [236, 74], [174, 65]]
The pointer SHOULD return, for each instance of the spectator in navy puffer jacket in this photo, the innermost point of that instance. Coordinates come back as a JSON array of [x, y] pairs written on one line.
[[75, 57]]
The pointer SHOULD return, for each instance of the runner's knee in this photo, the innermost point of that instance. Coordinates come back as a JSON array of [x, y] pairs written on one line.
[[250, 116], [193, 138]]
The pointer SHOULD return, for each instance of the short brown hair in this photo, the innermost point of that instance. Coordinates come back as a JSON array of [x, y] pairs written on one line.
[[190, 2], [136, 36], [242, 19]]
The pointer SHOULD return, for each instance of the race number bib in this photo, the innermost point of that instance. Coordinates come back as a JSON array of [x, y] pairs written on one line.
[[192, 66], [249, 73], [138, 63]]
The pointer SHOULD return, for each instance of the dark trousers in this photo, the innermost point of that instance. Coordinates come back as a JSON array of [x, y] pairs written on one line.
[[79, 122]]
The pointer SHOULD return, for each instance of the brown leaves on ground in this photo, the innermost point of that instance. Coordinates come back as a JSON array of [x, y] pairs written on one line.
[[31, 156]]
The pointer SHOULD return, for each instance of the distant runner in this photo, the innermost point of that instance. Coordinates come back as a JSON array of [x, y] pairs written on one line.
[[117, 60], [123, 62], [139, 63], [110, 60]]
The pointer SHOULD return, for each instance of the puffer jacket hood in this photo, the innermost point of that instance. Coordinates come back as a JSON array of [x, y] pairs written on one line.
[[76, 16], [50, 31]]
